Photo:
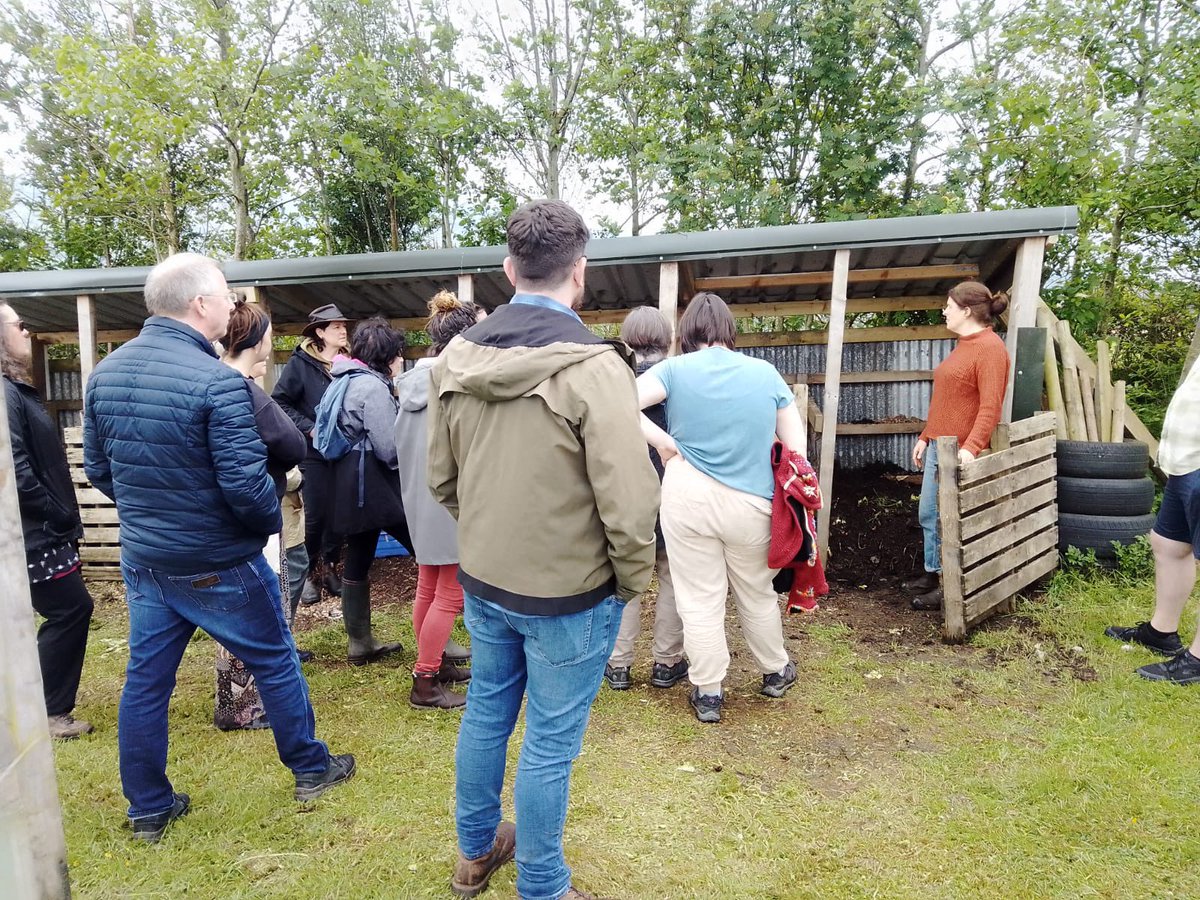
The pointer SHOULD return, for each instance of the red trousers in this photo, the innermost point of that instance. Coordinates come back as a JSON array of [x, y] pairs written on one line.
[[439, 600]]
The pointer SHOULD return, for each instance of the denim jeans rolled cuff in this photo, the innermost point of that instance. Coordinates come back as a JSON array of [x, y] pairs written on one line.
[[927, 511], [557, 662], [239, 607]]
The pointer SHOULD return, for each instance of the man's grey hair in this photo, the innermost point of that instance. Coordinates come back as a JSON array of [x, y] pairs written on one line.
[[173, 283]]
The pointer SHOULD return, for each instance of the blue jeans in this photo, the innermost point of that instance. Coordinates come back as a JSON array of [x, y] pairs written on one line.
[[558, 662], [239, 607], [927, 511]]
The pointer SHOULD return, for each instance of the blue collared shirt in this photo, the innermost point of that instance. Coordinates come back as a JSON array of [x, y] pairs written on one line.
[[545, 303]]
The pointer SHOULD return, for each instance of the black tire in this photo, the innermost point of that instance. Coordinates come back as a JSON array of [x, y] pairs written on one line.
[[1098, 532], [1097, 459], [1106, 496]]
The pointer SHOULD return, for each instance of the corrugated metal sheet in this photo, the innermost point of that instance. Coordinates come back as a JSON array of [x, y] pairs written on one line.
[[871, 402]]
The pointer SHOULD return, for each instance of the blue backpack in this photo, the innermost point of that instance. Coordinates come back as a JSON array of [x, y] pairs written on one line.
[[328, 438]]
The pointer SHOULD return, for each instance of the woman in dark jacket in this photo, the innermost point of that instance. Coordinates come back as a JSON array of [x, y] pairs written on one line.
[[52, 528], [365, 496], [248, 350]]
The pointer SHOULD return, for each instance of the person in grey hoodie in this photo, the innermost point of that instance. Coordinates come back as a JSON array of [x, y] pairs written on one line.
[[439, 596], [365, 495]]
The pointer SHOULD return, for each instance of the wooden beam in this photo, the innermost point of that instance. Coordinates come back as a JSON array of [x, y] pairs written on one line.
[[118, 336], [86, 309], [687, 281], [1104, 391], [800, 392], [798, 279], [668, 299], [865, 377], [39, 368], [850, 336], [33, 851], [881, 428], [1054, 391], [1022, 310], [821, 307], [833, 374], [466, 288]]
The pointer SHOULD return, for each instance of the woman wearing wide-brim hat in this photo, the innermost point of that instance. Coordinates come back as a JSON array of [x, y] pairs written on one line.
[[299, 389]]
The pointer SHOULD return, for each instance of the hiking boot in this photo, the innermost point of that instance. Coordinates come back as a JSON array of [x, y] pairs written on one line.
[[471, 876], [922, 584], [310, 594], [664, 676], [456, 653], [356, 613], [310, 786], [428, 692], [1182, 668], [617, 677], [776, 684], [1161, 642], [452, 674], [66, 727], [151, 828], [332, 581], [707, 706], [929, 601]]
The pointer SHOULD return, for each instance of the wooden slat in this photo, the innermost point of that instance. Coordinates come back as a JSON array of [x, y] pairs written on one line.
[[797, 279], [980, 604], [1014, 532], [99, 515], [882, 428], [800, 393], [100, 554], [1014, 458], [954, 626], [1007, 510], [1054, 391], [1030, 429], [1104, 391], [92, 496], [1118, 413], [821, 307], [850, 336], [994, 490], [1087, 390], [864, 377], [102, 573], [107, 533], [996, 567], [833, 373], [815, 417], [112, 336]]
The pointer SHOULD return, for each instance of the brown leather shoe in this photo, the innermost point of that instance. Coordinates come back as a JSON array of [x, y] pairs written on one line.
[[452, 674], [928, 601], [922, 584], [471, 876], [66, 727], [429, 693]]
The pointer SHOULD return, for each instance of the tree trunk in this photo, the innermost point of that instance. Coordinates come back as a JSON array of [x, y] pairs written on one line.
[[393, 222]]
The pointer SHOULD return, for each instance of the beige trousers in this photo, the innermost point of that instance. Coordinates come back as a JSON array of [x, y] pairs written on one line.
[[717, 538], [668, 630]]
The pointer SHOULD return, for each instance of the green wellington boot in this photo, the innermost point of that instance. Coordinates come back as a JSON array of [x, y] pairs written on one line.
[[356, 613]]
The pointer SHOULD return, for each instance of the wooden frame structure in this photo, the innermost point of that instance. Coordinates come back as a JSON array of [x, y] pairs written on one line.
[[999, 521]]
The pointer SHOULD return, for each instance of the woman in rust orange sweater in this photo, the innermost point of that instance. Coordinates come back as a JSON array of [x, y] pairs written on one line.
[[968, 393]]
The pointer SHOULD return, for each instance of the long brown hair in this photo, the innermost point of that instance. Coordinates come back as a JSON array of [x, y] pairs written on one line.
[[13, 369]]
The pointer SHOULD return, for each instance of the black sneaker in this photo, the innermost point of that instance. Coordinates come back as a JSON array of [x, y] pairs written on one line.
[[664, 676], [151, 828], [707, 707], [1161, 643], [777, 683], [310, 787], [617, 677], [1182, 668]]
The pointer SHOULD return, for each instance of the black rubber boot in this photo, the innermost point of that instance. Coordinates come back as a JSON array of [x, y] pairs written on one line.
[[356, 614]]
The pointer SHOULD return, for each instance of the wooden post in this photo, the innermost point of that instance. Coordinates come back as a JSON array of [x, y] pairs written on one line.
[[33, 850], [1118, 413], [800, 392], [253, 294], [1054, 391], [1022, 313], [1076, 429], [833, 382], [954, 614], [466, 288], [668, 299], [1104, 391], [86, 310], [39, 368], [1086, 389]]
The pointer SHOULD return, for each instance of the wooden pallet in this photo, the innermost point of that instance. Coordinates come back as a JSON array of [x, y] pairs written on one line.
[[999, 520], [100, 550]]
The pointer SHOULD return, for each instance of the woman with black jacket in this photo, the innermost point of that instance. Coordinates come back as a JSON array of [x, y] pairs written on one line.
[[52, 528]]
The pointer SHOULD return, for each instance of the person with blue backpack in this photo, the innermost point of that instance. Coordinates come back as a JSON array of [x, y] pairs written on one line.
[[354, 431]]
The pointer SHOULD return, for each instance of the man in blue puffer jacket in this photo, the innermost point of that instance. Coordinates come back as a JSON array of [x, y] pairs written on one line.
[[169, 434]]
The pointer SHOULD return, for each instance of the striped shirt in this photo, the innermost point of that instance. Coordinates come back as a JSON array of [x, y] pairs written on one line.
[[1179, 449]]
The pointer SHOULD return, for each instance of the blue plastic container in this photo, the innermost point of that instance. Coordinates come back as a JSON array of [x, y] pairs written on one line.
[[388, 546]]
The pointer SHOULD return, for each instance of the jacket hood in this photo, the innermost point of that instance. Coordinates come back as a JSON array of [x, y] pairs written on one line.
[[412, 387], [344, 364], [517, 348]]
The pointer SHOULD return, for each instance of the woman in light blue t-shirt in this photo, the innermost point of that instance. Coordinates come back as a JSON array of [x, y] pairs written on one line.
[[724, 411]]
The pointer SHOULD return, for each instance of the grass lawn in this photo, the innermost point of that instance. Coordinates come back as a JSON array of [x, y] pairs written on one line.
[[1031, 762]]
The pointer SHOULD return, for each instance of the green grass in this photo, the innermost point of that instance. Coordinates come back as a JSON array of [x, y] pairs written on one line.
[[1030, 763]]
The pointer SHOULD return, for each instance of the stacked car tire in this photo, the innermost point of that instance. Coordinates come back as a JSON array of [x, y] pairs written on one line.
[[1105, 494]]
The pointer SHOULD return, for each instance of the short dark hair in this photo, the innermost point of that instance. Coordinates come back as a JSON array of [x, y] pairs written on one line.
[[448, 318], [707, 320], [376, 343], [545, 238], [646, 330]]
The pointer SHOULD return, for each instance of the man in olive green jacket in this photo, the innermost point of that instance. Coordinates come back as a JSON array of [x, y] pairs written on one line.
[[535, 447]]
